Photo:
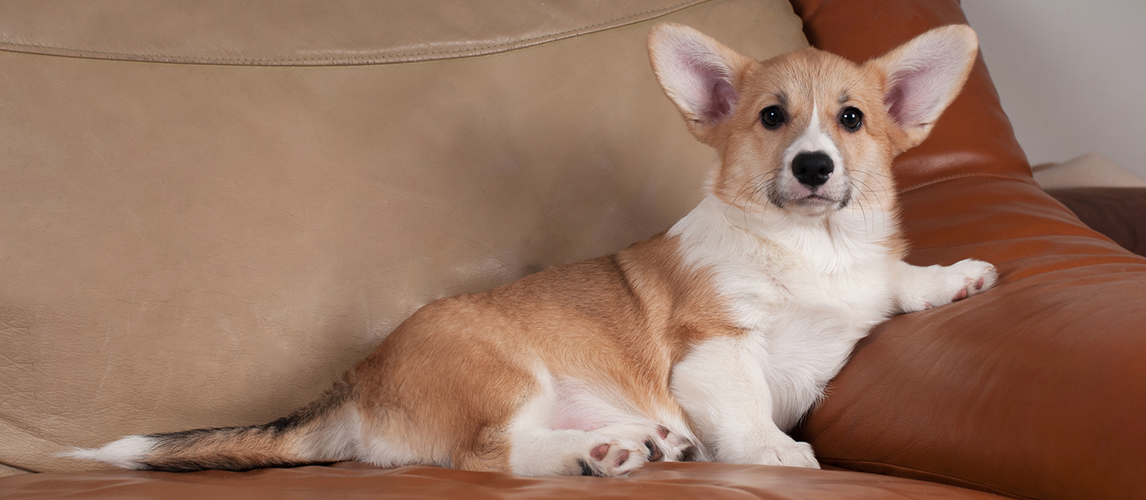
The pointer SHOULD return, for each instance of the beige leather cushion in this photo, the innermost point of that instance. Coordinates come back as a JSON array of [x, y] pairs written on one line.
[[188, 245], [309, 32], [1087, 171]]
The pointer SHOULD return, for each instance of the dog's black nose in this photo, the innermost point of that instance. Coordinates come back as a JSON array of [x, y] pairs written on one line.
[[812, 169]]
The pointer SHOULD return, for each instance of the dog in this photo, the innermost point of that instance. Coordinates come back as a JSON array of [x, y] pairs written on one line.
[[707, 342]]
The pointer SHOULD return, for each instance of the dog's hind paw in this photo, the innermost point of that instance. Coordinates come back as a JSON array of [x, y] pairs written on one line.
[[616, 458]]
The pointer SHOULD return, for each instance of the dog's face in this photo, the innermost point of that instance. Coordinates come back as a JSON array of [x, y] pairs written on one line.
[[809, 132], [803, 136]]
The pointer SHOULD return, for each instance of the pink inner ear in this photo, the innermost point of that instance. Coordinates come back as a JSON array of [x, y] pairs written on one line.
[[894, 102], [722, 101], [915, 95], [709, 90], [924, 81]]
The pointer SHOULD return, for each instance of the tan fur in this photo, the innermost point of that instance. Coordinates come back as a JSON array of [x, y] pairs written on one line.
[[454, 374]]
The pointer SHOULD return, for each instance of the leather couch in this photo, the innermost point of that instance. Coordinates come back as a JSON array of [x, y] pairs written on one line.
[[211, 209], [1116, 212]]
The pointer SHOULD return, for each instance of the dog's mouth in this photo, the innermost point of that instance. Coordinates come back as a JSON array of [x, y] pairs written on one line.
[[813, 200]]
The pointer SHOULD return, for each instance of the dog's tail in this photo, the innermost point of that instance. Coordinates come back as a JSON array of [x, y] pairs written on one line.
[[326, 430]]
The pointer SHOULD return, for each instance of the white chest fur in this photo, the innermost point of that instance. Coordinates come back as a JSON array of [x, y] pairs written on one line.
[[804, 291]]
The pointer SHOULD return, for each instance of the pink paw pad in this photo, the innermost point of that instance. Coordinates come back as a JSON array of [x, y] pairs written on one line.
[[611, 460], [655, 452], [962, 294], [599, 452], [622, 457]]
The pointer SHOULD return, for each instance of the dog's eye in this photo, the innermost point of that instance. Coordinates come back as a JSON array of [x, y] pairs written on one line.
[[772, 117], [851, 118]]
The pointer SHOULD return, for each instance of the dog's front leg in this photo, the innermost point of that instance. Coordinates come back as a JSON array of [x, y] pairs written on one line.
[[721, 385], [918, 288]]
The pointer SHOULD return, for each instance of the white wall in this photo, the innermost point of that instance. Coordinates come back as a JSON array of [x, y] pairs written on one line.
[[1071, 74]]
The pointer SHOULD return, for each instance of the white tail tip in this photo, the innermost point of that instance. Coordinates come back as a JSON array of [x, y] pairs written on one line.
[[125, 452]]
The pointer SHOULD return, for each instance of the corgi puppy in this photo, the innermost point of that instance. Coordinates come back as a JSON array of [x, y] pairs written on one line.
[[708, 342]]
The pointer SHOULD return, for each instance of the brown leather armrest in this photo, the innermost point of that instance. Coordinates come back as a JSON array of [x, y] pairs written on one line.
[[1118, 213], [1032, 389]]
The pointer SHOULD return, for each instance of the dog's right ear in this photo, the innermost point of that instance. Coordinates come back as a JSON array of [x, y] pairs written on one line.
[[924, 76], [698, 74]]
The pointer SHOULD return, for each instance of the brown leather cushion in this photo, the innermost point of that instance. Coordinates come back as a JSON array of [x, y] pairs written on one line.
[[1117, 213], [190, 245], [1032, 389], [350, 480]]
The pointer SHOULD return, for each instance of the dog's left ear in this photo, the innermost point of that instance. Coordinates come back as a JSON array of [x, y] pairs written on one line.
[[923, 76]]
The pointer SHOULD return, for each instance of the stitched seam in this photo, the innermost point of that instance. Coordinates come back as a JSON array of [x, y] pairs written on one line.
[[962, 176], [374, 59], [924, 472], [18, 469]]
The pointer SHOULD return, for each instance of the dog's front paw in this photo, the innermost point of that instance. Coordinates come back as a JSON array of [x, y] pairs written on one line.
[[966, 278], [616, 458], [794, 454], [943, 285]]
